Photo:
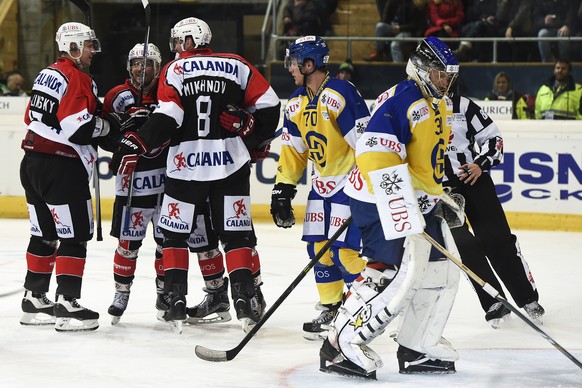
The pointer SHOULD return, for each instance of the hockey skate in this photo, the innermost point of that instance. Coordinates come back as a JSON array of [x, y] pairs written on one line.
[[213, 308], [176, 313], [71, 316], [333, 362], [242, 295], [258, 303], [497, 314], [535, 312], [119, 304], [162, 300], [413, 362], [37, 309], [318, 328]]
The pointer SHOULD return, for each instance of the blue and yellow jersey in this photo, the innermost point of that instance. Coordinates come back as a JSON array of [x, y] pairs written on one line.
[[406, 128], [322, 127]]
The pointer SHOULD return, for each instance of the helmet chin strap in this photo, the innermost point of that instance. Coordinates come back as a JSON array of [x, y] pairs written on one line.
[[305, 75]]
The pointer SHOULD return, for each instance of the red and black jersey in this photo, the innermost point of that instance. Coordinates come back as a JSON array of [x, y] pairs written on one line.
[[122, 97], [62, 106], [193, 90], [149, 175]]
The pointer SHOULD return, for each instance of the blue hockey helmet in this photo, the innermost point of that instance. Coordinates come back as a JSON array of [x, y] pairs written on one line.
[[430, 65], [308, 47]]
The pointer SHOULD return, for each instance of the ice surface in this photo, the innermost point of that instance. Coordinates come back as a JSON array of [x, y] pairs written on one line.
[[142, 352]]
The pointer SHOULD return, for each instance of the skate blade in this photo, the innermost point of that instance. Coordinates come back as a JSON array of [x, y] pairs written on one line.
[[37, 319], [160, 315], [115, 320], [336, 370], [213, 318], [176, 326], [72, 324], [247, 324], [310, 336], [496, 323]]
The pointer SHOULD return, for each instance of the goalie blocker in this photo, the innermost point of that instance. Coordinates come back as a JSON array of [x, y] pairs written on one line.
[[420, 284]]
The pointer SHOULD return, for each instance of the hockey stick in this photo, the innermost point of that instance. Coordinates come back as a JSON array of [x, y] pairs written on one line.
[[227, 355], [147, 10], [494, 293], [85, 7]]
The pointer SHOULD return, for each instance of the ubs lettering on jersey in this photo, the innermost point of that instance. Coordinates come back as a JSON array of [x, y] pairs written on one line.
[[331, 102], [192, 87], [313, 217], [324, 187], [419, 113], [391, 144], [292, 108], [197, 159], [43, 103]]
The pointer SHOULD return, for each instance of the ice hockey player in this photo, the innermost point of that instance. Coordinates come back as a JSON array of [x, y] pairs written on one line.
[[60, 152], [323, 119], [396, 192], [129, 224], [477, 146], [214, 107]]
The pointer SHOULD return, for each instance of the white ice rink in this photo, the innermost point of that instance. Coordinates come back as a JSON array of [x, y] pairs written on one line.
[[142, 352]]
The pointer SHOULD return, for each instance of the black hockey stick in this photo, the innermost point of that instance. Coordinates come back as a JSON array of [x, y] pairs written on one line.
[[494, 293], [227, 355], [85, 7], [147, 10]]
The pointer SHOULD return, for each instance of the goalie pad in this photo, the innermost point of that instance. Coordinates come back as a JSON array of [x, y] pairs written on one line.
[[423, 322], [396, 201], [375, 299]]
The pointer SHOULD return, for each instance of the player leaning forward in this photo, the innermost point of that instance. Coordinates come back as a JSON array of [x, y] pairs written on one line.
[[403, 146], [213, 108], [60, 151]]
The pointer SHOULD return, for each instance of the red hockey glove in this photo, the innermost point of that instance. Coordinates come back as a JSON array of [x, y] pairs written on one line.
[[130, 148], [260, 153], [237, 120]]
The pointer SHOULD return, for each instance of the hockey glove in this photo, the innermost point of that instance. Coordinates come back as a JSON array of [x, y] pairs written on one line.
[[119, 123], [131, 146], [237, 120], [139, 114], [281, 209], [259, 153]]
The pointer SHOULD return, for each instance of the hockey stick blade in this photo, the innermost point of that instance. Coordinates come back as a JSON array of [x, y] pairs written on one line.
[[227, 355], [494, 293]]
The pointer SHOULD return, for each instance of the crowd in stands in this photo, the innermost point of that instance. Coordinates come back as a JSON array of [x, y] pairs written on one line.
[[457, 19]]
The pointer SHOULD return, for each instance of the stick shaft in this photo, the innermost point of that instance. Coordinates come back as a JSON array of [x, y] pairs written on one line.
[[212, 355], [494, 293]]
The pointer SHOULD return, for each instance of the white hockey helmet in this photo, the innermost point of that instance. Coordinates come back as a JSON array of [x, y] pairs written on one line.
[[153, 55], [193, 27], [75, 33]]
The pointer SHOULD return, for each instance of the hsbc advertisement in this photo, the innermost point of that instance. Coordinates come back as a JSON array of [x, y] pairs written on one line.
[[541, 171]]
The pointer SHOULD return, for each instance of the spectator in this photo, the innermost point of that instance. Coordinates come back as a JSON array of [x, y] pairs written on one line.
[[559, 98], [493, 18], [400, 19], [13, 85], [554, 18], [502, 91], [306, 17], [445, 18], [346, 71]]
